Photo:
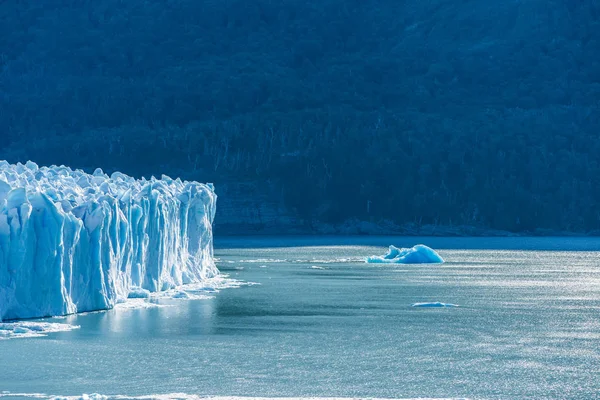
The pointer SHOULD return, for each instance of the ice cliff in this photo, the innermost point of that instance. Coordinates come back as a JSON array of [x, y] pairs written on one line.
[[419, 254], [73, 242]]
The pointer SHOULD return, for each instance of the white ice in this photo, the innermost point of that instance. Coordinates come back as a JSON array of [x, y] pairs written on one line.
[[141, 299], [24, 329], [73, 242], [419, 254]]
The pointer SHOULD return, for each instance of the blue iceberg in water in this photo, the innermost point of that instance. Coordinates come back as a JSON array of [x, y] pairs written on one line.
[[436, 304], [419, 254], [73, 242]]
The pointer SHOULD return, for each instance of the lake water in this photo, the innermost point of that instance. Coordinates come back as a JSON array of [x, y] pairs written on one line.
[[322, 323]]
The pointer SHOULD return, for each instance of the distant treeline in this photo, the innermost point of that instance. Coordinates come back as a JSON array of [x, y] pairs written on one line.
[[430, 111]]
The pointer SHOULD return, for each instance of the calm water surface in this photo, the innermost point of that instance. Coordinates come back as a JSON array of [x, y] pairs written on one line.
[[321, 322]]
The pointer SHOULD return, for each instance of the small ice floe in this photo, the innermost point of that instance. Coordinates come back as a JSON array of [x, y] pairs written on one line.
[[419, 254], [138, 293], [180, 294], [203, 290], [137, 304], [316, 267], [336, 260], [183, 294], [217, 283], [28, 329], [436, 304]]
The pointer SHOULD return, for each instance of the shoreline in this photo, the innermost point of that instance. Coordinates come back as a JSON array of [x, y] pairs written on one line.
[[363, 228]]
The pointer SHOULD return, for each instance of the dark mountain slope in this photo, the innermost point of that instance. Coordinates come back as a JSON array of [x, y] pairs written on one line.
[[443, 112]]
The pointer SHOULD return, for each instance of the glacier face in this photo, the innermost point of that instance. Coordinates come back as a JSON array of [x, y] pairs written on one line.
[[419, 254], [73, 242]]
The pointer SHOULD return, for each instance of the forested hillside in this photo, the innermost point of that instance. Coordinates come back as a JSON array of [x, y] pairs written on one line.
[[484, 113]]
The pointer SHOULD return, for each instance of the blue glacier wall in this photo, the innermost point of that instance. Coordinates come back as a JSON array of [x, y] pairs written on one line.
[[73, 242]]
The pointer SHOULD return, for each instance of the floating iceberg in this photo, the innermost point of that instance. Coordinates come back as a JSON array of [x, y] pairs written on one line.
[[73, 242], [434, 305], [418, 254]]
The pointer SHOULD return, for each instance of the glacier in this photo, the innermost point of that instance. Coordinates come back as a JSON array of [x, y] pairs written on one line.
[[419, 254], [74, 242]]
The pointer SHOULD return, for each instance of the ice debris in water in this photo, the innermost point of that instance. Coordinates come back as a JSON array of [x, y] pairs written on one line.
[[434, 305], [138, 293], [419, 254], [73, 242], [23, 329]]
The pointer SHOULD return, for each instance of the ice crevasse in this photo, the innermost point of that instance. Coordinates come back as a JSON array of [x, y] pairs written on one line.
[[73, 242]]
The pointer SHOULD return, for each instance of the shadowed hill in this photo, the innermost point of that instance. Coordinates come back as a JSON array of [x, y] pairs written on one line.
[[426, 112]]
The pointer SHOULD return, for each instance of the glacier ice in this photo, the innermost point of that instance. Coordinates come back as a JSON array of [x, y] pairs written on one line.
[[73, 242], [27, 329], [138, 293], [419, 254]]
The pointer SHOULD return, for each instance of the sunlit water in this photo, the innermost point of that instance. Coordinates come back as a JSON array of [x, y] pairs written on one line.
[[321, 322]]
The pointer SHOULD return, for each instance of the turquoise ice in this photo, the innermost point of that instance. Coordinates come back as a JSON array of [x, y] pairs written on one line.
[[419, 254], [435, 304], [73, 242]]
